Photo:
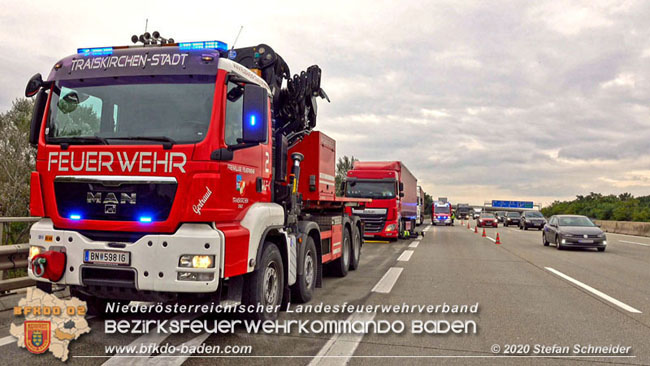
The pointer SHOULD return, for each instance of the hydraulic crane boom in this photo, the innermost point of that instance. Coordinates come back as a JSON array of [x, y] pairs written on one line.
[[295, 107]]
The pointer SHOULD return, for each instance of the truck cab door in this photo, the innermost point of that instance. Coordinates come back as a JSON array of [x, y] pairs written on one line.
[[246, 178]]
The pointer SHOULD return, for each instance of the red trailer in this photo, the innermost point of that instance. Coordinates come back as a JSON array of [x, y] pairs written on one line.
[[393, 190]]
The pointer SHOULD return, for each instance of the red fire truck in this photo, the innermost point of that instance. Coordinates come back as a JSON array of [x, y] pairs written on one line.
[[169, 171], [392, 188]]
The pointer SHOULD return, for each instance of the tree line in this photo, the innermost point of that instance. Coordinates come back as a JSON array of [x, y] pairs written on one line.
[[17, 161], [624, 207]]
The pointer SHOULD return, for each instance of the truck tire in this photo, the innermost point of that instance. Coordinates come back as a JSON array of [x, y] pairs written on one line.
[[355, 249], [265, 285], [341, 265], [303, 290], [94, 305]]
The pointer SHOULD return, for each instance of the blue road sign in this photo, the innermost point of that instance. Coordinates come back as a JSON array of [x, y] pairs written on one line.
[[512, 204]]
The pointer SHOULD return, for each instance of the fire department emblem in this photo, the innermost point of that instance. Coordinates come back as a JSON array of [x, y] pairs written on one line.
[[240, 184], [37, 335]]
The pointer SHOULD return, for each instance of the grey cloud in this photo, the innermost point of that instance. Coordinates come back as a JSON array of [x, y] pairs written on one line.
[[518, 107]]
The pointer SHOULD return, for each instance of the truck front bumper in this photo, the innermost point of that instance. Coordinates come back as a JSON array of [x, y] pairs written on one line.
[[389, 231], [154, 259], [442, 221]]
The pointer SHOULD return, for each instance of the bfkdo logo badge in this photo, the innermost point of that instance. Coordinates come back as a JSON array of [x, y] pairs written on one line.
[[38, 334]]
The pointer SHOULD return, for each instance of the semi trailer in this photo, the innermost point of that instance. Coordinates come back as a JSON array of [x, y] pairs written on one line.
[[393, 189], [420, 214], [185, 171]]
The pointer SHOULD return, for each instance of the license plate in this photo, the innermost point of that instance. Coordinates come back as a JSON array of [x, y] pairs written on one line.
[[585, 241], [107, 257]]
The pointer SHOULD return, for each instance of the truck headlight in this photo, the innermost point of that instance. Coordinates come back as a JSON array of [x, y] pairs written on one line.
[[390, 227], [196, 261], [34, 251]]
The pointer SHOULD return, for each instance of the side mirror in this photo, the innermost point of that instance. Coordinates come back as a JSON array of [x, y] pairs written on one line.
[[255, 114], [34, 85], [401, 187], [401, 194], [37, 117]]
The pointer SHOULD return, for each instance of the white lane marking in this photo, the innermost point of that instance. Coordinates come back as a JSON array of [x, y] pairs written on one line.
[[633, 242], [7, 340], [147, 339], [494, 240], [340, 347], [177, 358], [406, 256], [388, 281], [620, 304], [414, 244]]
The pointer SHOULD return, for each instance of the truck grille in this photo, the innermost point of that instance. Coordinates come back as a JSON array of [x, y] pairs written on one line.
[[115, 198], [374, 223], [113, 277]]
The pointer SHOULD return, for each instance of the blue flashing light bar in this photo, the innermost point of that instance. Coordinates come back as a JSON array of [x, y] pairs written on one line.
[[214, 45], [75, 217], [253, 120], [145, 219], [99, 51]]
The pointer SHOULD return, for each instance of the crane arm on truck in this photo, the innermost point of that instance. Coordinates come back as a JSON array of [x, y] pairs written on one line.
[[295, 107]]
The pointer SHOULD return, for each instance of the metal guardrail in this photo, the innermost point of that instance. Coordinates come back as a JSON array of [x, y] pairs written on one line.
[[14, 257]]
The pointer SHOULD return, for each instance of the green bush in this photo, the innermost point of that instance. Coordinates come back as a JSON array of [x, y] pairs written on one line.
[[624, 207]]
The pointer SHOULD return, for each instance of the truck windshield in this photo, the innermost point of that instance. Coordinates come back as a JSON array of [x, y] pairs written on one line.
[[361, 189], [162, 108], [441, 209]]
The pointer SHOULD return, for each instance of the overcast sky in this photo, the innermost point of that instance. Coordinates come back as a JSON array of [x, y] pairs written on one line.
[[482, 100]]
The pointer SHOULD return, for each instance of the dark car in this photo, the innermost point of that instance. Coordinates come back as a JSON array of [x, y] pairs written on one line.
[[573, 231], [511, 218], [532, 219], [487, 219], [500, 215]]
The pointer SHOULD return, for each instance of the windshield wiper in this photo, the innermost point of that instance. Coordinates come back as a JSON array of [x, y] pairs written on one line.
[[168, 142], [79, 140]]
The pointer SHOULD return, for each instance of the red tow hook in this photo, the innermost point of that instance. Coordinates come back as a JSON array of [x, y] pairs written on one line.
[[49, 265]]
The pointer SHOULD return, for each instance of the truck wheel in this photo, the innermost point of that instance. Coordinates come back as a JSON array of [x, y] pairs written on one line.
[[265, 285], [355, 251], [341, 265], [303, 290], [94, 305]]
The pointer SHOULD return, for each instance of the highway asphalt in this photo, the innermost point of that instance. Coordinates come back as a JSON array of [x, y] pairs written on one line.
[[528, 295]]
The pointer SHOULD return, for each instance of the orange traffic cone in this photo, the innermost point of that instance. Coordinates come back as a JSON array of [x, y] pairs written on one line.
[[476, 229], [498, 241], [468, 224], [484, 233]]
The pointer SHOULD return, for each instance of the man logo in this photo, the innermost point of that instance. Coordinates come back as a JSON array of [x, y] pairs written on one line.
[[37, 335], [110, 200]]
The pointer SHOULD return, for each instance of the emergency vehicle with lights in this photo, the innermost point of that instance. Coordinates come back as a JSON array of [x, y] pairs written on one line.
[[392, 188], [185, 171], [441, 213]]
